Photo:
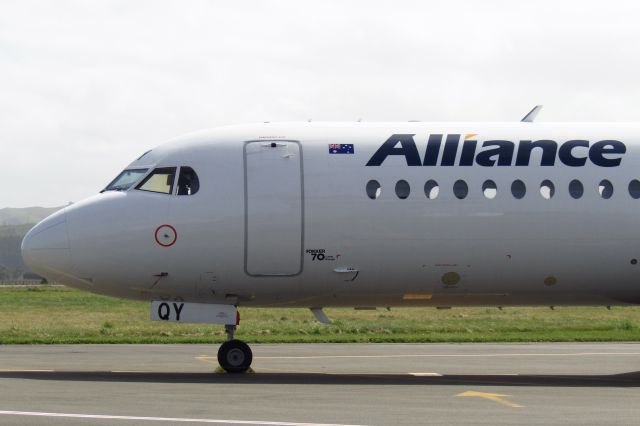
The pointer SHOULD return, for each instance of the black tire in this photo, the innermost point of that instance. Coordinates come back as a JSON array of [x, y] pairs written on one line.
[[235, 356]]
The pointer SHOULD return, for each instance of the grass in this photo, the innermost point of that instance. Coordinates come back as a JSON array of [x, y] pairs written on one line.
[[60, 315]]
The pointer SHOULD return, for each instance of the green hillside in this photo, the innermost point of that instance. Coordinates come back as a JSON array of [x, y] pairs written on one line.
[[22, 216], [14, 224], [11, 265]]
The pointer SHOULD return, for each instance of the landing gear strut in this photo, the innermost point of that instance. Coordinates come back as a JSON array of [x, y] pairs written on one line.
[[234, 356]]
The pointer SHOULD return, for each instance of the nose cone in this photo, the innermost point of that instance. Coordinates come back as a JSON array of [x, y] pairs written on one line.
[[45, 248]]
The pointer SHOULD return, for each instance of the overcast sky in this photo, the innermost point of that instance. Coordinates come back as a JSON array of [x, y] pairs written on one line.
[[87, 86]]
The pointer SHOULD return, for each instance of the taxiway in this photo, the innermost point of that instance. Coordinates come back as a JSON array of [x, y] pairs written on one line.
[[344, 384]]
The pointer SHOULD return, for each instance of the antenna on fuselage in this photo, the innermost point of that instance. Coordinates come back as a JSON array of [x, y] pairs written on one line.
[[532, 114]]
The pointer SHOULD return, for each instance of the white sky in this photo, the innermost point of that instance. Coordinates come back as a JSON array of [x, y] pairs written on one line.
[[87, 86]]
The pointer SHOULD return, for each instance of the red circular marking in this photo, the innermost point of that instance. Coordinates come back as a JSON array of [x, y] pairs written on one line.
[[166, 235]]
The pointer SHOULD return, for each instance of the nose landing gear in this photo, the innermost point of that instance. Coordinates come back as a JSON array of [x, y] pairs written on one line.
[[234, 356]]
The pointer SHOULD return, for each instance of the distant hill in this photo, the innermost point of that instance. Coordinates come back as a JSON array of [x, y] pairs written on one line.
[[11, 265], [14, 224], [22, 216]]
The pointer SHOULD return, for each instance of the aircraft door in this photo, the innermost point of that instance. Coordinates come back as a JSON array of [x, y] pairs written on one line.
[[273, 208]]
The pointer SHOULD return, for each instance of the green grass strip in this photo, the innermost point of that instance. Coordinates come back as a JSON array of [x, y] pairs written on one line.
[[60, 315]]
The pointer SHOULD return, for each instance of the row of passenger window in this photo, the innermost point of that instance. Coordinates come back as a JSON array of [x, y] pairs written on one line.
[[490, 189]]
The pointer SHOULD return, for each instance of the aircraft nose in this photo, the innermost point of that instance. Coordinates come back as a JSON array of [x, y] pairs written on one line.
[[45, 248]]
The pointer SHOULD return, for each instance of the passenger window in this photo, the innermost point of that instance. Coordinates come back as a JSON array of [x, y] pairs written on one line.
[[605, 189], [518, 189], [489, 189], [373, 189], [431, 189], [460, 189], [547, 189], [402, 189], [188, 183], [634, 189], [160, 180], [576, 189]]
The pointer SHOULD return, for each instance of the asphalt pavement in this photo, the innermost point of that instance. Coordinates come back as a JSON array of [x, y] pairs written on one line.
[[311, 384]]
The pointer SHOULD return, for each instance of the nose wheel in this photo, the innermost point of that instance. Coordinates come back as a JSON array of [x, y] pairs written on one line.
[[234, 356]]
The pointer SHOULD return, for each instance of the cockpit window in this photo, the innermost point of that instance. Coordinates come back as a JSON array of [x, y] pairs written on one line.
[[125, 180], [159, 180], [188, 183]]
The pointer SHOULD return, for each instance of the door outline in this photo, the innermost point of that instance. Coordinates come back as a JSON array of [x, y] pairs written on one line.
[[246, 207]]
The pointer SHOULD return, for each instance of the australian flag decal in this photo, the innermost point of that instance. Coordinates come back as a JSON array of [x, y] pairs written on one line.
[[341, 148]]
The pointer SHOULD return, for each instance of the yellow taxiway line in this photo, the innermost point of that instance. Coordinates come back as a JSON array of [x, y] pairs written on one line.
[[495, 397]]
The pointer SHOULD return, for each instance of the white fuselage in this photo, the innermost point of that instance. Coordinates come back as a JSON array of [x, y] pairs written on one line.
[[282, 217]]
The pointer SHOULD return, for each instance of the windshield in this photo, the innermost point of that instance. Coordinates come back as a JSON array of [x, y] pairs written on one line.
[[125, 180], [160, 180]]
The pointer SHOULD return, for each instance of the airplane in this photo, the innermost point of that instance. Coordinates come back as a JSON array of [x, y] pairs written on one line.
[[356, 214]]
